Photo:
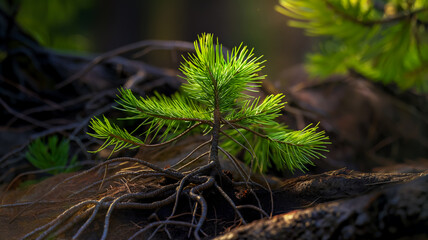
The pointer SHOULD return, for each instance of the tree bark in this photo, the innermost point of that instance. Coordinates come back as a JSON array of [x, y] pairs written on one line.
[[396, 212]]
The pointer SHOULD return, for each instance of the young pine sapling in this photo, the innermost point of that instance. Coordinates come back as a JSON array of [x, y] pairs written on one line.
[[215, 100]]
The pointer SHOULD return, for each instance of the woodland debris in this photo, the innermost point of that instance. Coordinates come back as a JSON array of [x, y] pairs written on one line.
[[391, 213]]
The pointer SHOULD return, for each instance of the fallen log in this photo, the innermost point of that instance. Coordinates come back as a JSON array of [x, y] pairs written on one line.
[[395, 212]]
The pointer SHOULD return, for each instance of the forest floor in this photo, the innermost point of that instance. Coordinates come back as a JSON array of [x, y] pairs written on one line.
[[340, 204]]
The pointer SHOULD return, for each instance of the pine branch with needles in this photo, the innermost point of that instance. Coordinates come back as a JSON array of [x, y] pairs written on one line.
[[385, 41]]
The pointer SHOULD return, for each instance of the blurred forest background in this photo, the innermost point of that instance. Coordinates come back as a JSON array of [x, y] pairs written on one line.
[[96, 26]]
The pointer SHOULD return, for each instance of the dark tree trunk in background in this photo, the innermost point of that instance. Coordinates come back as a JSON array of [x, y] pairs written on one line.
[[117, 24]]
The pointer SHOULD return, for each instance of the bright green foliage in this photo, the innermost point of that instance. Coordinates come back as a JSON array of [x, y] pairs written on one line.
[[385, 41], [252, 112], [285, 148], [51, 155], [217, 82], [233, 74], [113, 135]]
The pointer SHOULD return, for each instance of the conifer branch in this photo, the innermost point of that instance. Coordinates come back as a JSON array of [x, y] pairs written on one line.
[[263, 135], [388, 46], [282, 147], [254, 113], [158, 144]]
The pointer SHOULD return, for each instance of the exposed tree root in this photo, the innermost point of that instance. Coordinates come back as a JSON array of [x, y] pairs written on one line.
[[201, 200], [176, 186]]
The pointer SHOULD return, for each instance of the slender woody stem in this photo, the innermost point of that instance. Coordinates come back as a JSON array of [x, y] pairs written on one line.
[[216, 124], [215, 137]]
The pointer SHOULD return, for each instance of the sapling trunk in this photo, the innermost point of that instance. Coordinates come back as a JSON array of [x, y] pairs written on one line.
[[216, 124], [214, 143]]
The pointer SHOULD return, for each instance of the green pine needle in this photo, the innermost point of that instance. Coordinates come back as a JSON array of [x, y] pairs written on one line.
[[113, 135], [264, 113]]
